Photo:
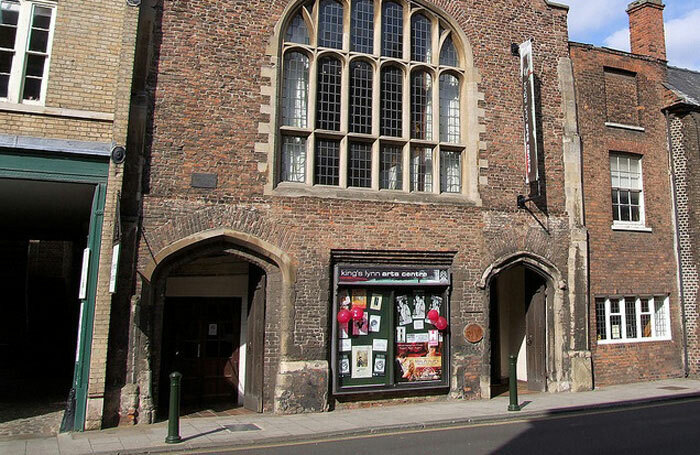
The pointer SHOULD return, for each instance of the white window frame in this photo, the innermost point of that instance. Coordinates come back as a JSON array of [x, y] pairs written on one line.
[[640, 225], [653, 302], [15, 87]]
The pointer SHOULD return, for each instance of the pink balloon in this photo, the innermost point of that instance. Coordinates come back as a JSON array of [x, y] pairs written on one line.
[[441, 323], [358, 313], [344, 316], [433, 315]]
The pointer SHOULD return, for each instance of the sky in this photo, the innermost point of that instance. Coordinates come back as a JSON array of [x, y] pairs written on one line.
[[605, 23]]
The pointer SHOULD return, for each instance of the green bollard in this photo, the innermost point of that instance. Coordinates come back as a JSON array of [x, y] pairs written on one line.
[[174, 416], [513, 384]]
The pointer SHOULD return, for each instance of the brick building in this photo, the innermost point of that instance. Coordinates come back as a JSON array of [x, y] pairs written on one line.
[[683, 114], [635, 312], [65, 77], [301, 159]]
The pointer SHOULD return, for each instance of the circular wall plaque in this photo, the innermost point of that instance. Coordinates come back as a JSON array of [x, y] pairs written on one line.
[[473, 333]]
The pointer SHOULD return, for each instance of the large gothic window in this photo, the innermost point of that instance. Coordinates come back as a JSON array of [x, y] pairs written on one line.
[[371, 98]]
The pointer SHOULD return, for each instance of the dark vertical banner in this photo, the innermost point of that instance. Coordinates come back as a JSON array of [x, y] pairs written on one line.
[[527, 73]]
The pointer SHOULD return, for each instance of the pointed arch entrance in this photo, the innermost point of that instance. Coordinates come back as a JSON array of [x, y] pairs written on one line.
[[210, 293], [523, 291]]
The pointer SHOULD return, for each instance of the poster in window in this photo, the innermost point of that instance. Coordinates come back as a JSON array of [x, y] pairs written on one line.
[[433, 338], [379, 365], [376, 302], [343, 331], [400, 334], [403, 310], [418, 324], [417, 362], [343, 299], [344, 366], [435, 303], [361, 362], [361, 327], [345, 345], [359, 298], [380, 345], [375, 322], [419, 306]]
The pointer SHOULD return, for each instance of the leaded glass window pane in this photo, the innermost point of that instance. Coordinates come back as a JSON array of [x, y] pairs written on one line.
[[450, 171], [422, 169], [391, 167], [293, 159], [360, 169], [392, 30], [362, 36], [660, 313], [421, 39], [631, 317], [449, 109], [361, 80], [601, 319], [327, 162], [329, 85], [297, 31], [421, 105], [295, 98], [448, 54], [392, 101], [330, 27]]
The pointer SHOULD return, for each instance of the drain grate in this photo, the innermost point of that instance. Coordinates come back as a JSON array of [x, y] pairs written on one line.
[[673, 387], [241, 427]]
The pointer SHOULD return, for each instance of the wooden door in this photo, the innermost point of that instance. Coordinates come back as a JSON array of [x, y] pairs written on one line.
[[255, 342], [535, 333], [203, 339]]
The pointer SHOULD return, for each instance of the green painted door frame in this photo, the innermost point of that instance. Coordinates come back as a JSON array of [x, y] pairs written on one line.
[[57, 167]]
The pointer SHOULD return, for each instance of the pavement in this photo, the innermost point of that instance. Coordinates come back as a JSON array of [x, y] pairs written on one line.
[[210, 433]]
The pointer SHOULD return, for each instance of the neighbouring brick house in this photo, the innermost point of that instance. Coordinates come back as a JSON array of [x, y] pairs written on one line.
[[294, 160], [635, 312], [65, 80], [683, 114]]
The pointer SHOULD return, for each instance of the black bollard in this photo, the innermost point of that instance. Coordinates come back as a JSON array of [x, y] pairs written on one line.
[[174, 416], [513, 384]]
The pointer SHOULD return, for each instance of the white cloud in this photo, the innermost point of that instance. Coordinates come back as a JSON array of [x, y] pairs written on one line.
[[683, 39], [588, 16], [619, 40]]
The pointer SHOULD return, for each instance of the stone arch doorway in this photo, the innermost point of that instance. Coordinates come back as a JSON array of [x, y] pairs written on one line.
[[522, 296], [210, 297]]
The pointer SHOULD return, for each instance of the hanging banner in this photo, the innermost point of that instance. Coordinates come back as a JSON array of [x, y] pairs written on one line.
[[527, 72], [383, 276]]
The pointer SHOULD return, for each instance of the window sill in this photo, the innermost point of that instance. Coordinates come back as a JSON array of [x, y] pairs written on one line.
[[622, 126], [631, 341], [367, 194], [631, 228], [55, 111]]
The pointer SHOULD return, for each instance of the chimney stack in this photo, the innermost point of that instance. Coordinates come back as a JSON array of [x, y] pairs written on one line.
[[647, 28]]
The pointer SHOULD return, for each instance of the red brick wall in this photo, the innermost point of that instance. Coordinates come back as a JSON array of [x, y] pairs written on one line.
[[627, 263]]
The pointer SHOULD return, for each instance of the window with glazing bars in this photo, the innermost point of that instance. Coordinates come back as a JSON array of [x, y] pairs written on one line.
[[421, 39], [449, 109], [360, 169], [422, 169], [327, 162], [450, 171], [392, 101], [632, 318], [362, 37], [391, 167], [297, 31], [330, 27], [421, 105], [626, 181], [361, 79], [392, 30], [601, 320], [293, 159], [295, 96], [9, 17], [448, 55], [329, 88]]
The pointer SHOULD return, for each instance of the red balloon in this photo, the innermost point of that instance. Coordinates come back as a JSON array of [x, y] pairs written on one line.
[[344, 316], [358, 313], [441, 323], [433, 315]]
